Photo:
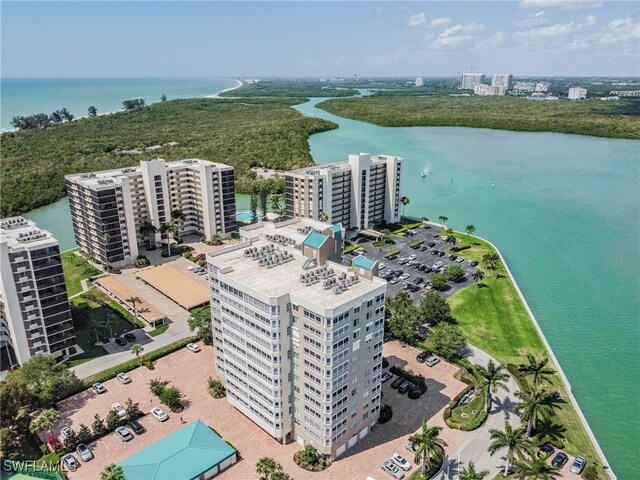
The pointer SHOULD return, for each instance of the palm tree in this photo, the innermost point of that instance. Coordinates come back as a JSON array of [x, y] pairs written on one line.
[[469, 473], [535, 403], [137, 349], [133, 301], [112, 472], [514, 440], [538, 469], [168, 228], [450, 239], [443, 219], [216, 239], [537, 366], [323, 217], [494, 378], [178, 218], [45, 421], [491, 260], [478, 276], [106, 237], [280, 475], [98, 328], [429, 445], [470, 229], [276, 201], [107, 323], [266, 467], [404, 201], [148, 228]]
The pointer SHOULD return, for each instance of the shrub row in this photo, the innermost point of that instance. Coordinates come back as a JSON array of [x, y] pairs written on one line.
[[449, 408], [417, 380], [416, 243], [404, 228], [157, 331], [394, 252], [133, 363], [459, 248]]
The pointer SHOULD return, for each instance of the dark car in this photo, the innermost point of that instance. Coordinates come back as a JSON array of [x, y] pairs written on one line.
[[546, 450], [404, 386], [392, 257], [452, 257], [475, 263], [440, 253], [434, 252], [559, 460], [396, 383], [418, 280], [422, 267], [428, 269], [432, 244], [136, 427], [130, 337], [121, 341], [422, 356]]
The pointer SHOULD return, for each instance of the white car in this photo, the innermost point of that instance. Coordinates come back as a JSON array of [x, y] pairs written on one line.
[[70, 462], [386, 376], [402, 462], [437, 265], [404, 276], [65, 432], [119, 409], [432, 361], [459, 259], [393, 281], [124, 378], [191, 268], [85, 452], [382, 266], [193, 347], [159, 414], [413, 256]]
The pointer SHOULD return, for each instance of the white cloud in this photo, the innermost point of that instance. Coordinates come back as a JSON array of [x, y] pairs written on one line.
[[621, 30], [563, 4], [590, 20], [491, 41], [417, 19], [550, 31], [531, 20], [457, 36], [439, 22]]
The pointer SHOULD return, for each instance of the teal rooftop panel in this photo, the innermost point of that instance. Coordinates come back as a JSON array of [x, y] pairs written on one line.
[[314, 240], [363, 262], [185, 454], [337, 231]]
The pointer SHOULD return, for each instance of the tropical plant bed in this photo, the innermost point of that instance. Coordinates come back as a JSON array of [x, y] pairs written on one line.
[[383, 243], [322, 463], [395, 252], [417, 475], [158, 331], [352, 248], [404, 228], [471, 415], [416, 243]]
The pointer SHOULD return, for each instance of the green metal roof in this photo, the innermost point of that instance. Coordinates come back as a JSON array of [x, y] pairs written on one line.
[[337, 231], [184, 454], [314, 240], [363, 262]]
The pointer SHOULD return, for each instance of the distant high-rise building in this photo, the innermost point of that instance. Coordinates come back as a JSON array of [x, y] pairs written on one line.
[[35, 317], [577, 93], [524, 86], [419, 82], [109, 207], [485, 90], [504, 80], [358, 193], [470, 80], [542, 87]]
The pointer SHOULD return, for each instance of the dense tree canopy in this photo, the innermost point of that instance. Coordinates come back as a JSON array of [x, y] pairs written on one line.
[[47, 380]]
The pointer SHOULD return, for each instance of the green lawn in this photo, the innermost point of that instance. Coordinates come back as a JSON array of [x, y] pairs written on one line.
[[468, 412], [158, 331], [494, 319], [87, 313], [75, 270]]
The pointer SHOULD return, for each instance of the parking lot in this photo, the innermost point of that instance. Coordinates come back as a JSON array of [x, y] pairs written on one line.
[[421, 267], [252, 442]]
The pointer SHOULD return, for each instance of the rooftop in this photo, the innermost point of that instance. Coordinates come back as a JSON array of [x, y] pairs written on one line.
[[274, 269], [363, 262], [19, 233], [186, 453], [318, 170]]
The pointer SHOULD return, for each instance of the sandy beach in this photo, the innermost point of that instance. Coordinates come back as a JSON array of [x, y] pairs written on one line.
[[217, 95]]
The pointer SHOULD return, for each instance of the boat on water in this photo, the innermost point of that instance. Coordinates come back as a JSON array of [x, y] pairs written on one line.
[[425, 172]]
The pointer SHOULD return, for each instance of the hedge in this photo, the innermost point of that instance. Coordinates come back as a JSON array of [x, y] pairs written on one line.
[[157, 331], [407, 227], [132, 364], [415, 394], [415, 244], [417, 380], [459, 248], [386, 413], [447, 411], [394, 252]]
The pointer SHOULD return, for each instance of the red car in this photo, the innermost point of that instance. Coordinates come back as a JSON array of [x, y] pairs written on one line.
[[54, 443]]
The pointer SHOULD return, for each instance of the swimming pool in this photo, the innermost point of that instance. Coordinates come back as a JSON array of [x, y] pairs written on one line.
[[245, 217]]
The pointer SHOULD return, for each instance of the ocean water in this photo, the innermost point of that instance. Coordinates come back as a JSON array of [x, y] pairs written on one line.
[[565, 212], [30, 96]]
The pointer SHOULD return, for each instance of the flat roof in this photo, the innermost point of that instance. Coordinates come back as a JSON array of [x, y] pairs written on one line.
[[179, 287], [284, 278], [185, 454], [145, 309], [20, 233]]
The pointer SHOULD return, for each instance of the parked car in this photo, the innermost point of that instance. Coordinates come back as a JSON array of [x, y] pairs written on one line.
[[119, 409], [99, 388], [130, 337], [124, 434], [404, 276], [410, 446], [70, 462], [159, 414], [432, 361], [85, 452], [402, 462], [193, 347], [578, 465], [422, 356], [437, 265], [432, 244], [422, 332], [120, 341], [386, 376], [413, 256], [460, 259], [396, 383], [124, 378], [382, 266], [65, 432], [390, 468], [191, 268], [404, 386], [474, 263], [440, 253], [136, 427], [559, 460], [393, 281], [54, 443], [453, 257], [546, 450], [392, 257]]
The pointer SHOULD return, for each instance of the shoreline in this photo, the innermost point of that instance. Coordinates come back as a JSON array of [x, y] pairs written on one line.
[[217, 94], [605, 463]]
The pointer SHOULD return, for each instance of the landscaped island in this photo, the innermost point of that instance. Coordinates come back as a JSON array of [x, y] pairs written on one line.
[[588, 117], [245, 134]]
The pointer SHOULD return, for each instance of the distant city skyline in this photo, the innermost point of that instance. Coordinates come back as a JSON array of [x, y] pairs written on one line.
[[319, 39]]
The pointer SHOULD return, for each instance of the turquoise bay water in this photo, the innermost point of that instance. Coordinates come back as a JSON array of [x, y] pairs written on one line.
[[30, 96], [565, 212]]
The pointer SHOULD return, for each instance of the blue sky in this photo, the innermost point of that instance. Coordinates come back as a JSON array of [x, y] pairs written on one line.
[[296, 39]]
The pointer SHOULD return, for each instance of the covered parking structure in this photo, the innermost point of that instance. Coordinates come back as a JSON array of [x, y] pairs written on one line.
[[174, 284], [145, 310]]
